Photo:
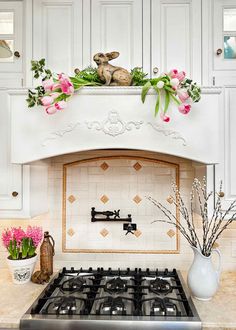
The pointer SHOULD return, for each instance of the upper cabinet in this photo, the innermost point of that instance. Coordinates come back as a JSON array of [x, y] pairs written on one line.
[[23, 189], [223, 54], [157, 35], [176, 37], [57, 33], [11, 174], [115, 26], [11, 45], [224, 35]]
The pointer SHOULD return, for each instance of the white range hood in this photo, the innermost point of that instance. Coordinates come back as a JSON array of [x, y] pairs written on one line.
[[114, 118]]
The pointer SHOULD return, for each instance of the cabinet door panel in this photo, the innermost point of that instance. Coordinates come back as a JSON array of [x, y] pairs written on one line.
[[226, 169], [117, 25], [11, 36], [11, 175], [176, 36], [224, 35], [58, 34]]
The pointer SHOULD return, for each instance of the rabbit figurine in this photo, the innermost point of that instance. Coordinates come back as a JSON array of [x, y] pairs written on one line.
[[109, 74]]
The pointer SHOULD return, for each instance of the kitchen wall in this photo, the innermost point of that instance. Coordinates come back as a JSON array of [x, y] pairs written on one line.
[[52, 221]]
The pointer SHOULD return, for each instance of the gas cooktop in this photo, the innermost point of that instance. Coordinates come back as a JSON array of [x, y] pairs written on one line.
[[113, 299]]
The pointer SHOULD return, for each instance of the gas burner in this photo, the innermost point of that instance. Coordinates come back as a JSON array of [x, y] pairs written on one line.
[[75, 284], [112, 306], [116, 286], [64, 305], [160, 286], [163, 307]]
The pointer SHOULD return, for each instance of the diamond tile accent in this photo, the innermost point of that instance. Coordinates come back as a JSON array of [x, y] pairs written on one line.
[[137, 199], [137, 233], [70, 232], [104, 232], [104, 199], [170, 199], [137, 166], [71, 198], [104, 166], [171, 233]]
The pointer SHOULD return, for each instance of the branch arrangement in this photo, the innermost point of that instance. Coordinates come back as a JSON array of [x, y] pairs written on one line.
[[212, 227]]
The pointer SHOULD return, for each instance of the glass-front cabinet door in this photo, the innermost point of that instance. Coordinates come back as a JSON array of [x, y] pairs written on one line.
[[224, 30], [10, 36]]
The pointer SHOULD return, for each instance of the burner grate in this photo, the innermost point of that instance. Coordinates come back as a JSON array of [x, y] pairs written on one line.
[[116, 286], [115, 292]]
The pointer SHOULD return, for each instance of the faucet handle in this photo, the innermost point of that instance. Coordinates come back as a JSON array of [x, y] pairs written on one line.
[[130, 228]]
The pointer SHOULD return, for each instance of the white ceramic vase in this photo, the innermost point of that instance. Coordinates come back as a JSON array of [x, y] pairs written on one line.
[[21, 270], [203, 279]]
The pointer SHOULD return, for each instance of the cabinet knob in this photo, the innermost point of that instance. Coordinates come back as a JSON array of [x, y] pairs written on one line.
[[155, 70], [16, 54], [15, 193], [219, 51]]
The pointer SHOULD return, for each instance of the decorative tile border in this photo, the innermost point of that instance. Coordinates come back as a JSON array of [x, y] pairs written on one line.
[[103, 231]]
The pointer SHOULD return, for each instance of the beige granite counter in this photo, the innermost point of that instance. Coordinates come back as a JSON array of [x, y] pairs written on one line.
[[15, 299], [220, 312], [217, 314]]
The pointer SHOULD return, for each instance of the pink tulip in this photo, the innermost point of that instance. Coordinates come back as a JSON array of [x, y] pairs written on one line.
[[165, 118], [65, 84], [174, 82], [51, 110], [54, 95], [56, 86], [183, 96], [60, 105], [173, 73], [46, 100], [48, 84], [184, 108], [181, 75]]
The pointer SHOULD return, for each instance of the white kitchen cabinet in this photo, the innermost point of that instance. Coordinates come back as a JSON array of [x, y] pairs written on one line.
[[23, 188], [57, 34], [114, 26], [176, 37], [159, 33], [11, 175], [11, 44], [219, 68], [225, 170], [224, 38], [219, 42]]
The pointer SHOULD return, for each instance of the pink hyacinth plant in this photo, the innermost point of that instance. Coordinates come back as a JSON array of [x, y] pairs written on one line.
[[22, 244]]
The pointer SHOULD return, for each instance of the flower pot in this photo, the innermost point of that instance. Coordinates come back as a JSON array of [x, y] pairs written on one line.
[[21, 270], [203, 280]]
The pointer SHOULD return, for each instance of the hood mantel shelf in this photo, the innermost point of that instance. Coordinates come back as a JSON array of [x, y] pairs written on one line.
[[114, 117]]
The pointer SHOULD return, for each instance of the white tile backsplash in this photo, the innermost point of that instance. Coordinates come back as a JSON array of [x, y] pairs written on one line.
[[94, 183]]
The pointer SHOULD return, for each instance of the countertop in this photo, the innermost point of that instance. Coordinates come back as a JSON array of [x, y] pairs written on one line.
[[217, 314]]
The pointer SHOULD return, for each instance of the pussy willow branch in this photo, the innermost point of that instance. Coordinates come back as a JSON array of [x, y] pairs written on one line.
[[217, 230], [211, 229], [183, 210], [221, 230], [174, 222], [201, 195]]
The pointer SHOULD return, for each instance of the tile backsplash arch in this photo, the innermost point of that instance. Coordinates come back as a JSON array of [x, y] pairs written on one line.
[[118, 181]]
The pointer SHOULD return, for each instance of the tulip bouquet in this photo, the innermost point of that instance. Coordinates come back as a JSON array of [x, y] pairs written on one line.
[[172, 86], [22, 244], [56, 89]]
